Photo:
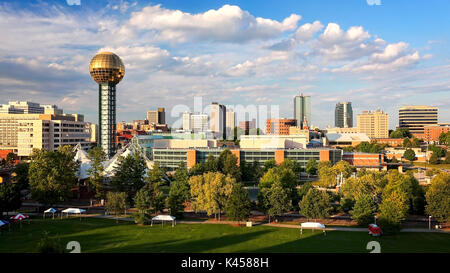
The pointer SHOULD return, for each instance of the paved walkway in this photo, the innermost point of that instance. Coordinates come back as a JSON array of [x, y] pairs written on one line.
[[330, 228]]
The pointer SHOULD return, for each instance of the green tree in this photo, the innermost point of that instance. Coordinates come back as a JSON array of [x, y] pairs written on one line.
[[211, 164], [393, 211], [303, 190], [116, 202], [433, 159], [291, 165], [311, 167], [52, 175], [181, 181], [407, 184], [197, 169], [210, 192], [368, 183], [230, 167], [347, 204], [327, 175], [400, 133], [269, 164], [95, 172], [407, 143], [129, 175], [409, 155], [439, 151], [21, 175], [279, 200], [9, 198], [177, 199], [447, 157], [238, 205], [364, 210], [315, 204], [10, 158], [438, 198]]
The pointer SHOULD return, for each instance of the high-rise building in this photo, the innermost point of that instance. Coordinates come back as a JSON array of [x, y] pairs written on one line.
[[302, 110], [157, 116], [415, 117], [199, 123], [186, 118], [24, 132], [27, 107], [279, 126], [343, 115], [374, 124], [230, 124], [107, 70], [217, 119]]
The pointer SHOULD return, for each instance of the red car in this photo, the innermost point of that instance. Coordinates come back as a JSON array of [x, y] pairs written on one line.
[[374, 230]]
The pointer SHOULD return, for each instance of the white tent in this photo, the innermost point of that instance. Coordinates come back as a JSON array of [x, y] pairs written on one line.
[[112, 164], [163, 218], [313, 226], [73, 211], [50, 210], [85, 162]]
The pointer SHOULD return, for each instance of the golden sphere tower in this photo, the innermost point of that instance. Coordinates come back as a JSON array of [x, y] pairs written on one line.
[[107, 70]]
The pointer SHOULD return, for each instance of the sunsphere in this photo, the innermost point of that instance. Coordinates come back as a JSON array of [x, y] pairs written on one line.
[[107, 69]]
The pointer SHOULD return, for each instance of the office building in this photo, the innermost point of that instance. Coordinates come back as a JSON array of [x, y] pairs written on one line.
[[374, 124], [230, 124], [302, 110], [343, 115], [199, 123], [217, 119], [416, 117], [186, 120], [156, 116], [107, 70], [279, 126], [24, 132]]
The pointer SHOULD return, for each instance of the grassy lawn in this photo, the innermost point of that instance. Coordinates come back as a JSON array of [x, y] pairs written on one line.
[[103, 235]]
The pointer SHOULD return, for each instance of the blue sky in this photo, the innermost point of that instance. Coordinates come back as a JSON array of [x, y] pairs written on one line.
[[245, 53]]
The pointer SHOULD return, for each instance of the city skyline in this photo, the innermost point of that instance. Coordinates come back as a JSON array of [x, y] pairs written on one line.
[[170, 64]]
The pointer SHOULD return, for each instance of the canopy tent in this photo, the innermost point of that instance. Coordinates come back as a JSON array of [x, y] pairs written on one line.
[[52, 211], [2, 223], [163, 218], [72, 211], [19, 217], [313, 226], [85, 162]]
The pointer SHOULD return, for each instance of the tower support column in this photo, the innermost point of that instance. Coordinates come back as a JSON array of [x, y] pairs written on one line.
[[107, 118]]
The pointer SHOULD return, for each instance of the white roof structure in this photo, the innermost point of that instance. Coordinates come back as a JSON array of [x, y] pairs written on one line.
[[73, 211], [163, 218], [85, 162], [333, 137], [312, 225]]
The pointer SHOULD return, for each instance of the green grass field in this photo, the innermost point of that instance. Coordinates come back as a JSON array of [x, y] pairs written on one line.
[[103, 235], [436, 166]]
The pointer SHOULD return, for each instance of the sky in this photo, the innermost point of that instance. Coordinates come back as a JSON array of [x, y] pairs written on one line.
[[378, 54]]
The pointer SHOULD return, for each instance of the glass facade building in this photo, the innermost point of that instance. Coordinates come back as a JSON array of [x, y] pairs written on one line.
[[302, 110]]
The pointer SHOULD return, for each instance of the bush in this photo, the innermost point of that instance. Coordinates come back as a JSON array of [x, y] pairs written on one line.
[[347, 204], [49, 245], [140, 218]]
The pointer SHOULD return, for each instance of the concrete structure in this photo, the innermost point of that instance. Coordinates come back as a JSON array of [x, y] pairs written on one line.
[[27, 107], [374, 124], [302, 110], [186, 120], [279, 126], [343, 115], [24, 132], [93, 131], [230, 124], [107, 70], [337, 130], [432, 132], [217, 119], [416, 117], [156, 116]]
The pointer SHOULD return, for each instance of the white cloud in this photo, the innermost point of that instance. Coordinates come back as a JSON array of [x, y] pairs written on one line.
[[226, 24]]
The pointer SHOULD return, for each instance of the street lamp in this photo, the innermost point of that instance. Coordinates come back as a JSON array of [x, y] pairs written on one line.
[[375, 217], [429, 222]]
